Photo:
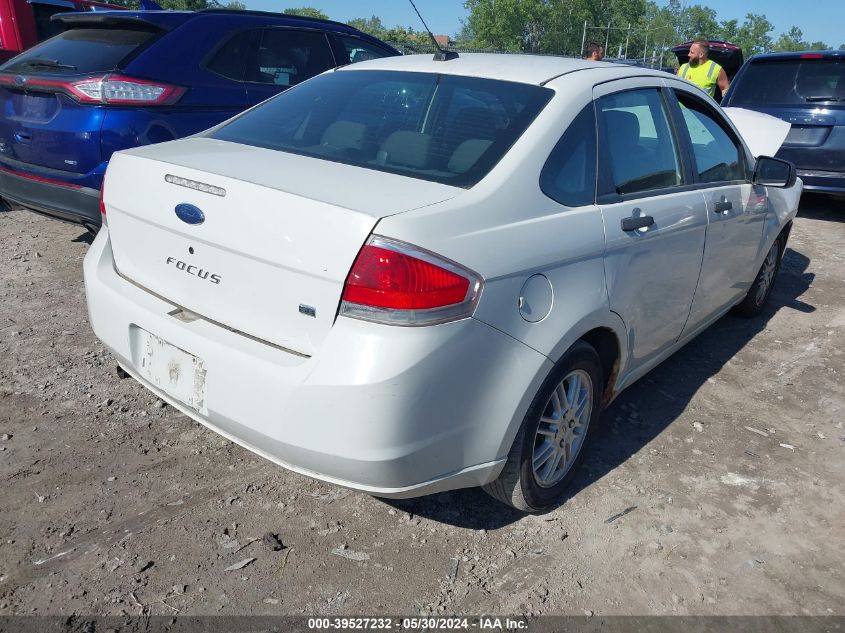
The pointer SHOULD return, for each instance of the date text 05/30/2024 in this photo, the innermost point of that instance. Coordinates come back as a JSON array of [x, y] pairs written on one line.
[[419, 624]]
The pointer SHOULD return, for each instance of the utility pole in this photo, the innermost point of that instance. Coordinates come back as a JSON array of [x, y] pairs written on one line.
[[607, 38], [627, 39], [583, 38], [645, 46]]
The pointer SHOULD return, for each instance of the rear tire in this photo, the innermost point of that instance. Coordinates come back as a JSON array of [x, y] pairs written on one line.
[[554, 435], [758, 294]]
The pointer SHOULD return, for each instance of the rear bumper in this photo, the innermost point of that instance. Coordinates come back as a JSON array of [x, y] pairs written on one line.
[[395, 412], [67, 202], [822, 181]]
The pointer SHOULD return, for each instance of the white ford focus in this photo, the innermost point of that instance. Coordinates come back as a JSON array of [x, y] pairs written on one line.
[[409, 275]]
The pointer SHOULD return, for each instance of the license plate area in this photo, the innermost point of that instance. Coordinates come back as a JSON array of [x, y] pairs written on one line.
[[178, 373]]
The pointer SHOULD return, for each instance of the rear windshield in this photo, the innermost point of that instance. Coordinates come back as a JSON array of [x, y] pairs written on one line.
[[443, 128], [80, 51], [792, 82]]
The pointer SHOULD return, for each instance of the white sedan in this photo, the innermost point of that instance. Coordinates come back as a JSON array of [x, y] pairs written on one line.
[[409, 275]]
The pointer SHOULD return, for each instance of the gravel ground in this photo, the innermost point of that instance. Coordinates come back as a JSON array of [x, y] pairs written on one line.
[[715, 488]]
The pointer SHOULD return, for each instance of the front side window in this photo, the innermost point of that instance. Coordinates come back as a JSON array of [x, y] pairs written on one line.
[[443, 128], [569, 176], [287, 57], [717, 157], [637, 143]]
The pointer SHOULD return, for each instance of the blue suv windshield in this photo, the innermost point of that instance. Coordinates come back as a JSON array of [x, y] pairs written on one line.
[[444, 128]]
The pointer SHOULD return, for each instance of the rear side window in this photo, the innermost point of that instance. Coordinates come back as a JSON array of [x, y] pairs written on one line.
[[232, 59], [638, 144], [360, 51], [444, 128], [287, 57], [569, 175], [793, 82], [80, 51]]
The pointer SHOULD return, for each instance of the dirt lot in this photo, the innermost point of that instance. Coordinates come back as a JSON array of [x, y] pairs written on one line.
[[718, 486]]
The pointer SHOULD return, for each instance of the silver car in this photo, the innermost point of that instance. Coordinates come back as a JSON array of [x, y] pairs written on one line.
[[409, 275]]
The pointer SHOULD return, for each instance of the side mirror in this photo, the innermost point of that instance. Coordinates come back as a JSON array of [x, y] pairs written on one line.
[[774, 172]]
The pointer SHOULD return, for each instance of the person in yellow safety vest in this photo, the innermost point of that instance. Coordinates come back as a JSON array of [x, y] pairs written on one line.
[[703, 72]]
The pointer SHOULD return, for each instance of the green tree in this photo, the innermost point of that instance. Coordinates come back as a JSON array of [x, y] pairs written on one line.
[[372, 25], [509, 25], [792, 40], [753, 36], [698, 22], [309, 12]]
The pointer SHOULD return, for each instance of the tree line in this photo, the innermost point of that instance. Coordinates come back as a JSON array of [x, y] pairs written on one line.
[[631, 28], [634, 28]]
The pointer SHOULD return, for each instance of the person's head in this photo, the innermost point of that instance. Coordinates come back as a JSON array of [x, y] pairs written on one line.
[[698, 52], [594, 52]]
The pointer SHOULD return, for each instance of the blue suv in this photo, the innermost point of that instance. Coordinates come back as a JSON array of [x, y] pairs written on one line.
[[118, 79], [806, 89]]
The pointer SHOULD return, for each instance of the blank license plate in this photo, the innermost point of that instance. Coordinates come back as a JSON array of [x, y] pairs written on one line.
[[176, 372]]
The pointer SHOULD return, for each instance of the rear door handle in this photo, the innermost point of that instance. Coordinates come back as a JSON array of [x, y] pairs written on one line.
[[637, 222], [722, 206], [23, 137]]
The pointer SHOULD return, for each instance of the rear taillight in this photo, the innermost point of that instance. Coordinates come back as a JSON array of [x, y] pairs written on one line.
[[396, 283], [119, 90], [107, 90]]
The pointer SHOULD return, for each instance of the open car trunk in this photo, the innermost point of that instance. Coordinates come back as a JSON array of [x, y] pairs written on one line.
[[727, 55]]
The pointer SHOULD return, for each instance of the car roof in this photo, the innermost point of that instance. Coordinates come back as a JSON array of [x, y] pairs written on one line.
[[167, 19], [521, 68], [799, 55]]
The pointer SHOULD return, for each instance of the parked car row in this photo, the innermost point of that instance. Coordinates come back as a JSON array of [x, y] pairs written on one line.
[[114, 80]]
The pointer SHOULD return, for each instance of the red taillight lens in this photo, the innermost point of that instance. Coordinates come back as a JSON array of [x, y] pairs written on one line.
[[108, 89], [392, 282], [102, 204], [386, 279], [119, 90]]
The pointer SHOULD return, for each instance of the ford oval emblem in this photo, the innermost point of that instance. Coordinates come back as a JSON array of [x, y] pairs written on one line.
[[189, 214]]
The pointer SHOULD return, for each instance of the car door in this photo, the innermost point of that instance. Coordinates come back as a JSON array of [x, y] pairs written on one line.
[[735, 208], [285, 58], [654, 219]]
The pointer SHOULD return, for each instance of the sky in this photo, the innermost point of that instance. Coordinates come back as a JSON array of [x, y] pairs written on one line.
[[822, 20]]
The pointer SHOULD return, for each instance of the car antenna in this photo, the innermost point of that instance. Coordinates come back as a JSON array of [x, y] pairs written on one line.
[[441, 55]]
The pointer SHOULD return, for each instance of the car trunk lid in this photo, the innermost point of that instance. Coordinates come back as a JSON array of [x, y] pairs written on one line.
[[275, 234]]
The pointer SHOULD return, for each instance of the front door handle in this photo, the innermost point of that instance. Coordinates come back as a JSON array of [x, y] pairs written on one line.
[[23, 137], [723, 205], [637, 222]]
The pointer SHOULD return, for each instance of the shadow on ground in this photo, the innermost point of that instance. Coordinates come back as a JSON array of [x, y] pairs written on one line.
[[662, 396]]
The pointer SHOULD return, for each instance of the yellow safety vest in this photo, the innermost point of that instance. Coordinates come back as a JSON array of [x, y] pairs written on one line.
[[704, 75]]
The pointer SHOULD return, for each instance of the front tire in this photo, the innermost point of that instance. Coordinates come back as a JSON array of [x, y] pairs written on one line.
[[554, 434], [758, 294]]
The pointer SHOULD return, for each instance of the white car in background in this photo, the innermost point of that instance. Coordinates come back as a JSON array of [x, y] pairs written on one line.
[[408, 275]]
